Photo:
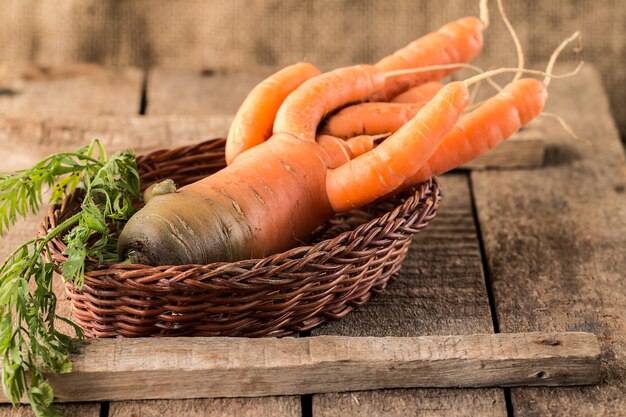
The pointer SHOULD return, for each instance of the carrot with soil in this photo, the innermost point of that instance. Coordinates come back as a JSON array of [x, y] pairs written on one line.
[[269, 199]]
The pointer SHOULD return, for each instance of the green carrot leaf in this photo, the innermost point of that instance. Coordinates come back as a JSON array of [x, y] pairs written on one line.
[[29, 340]]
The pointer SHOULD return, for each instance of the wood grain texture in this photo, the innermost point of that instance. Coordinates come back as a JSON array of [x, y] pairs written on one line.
[[197, 92], [525, 149], [78, 90], [120, 369], [439, 290], [67, 410], [555, 240], [215, 407], [247, 35], [33, 138]]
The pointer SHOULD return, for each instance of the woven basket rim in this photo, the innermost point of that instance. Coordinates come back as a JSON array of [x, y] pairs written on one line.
[[407, 198]]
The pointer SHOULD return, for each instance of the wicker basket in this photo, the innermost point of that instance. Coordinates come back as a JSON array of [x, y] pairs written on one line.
[[349, 259]]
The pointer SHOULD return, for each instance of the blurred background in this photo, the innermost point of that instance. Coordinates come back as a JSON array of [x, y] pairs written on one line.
[[253, 36]]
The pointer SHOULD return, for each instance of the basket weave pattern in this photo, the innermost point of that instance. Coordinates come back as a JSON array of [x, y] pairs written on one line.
[[347, 260]]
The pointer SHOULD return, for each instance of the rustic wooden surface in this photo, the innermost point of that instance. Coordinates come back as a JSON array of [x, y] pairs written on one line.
[[199, 92], [68, 410], [244, 35], [79, 90], [553, 240], [33, 138], [202, 367], [557, 257], [215, 407], [431, 295]]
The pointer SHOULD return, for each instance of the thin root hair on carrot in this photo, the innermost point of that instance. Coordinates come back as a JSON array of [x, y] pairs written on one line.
[[548, 73], [484, 13], [518, 45], [557, 52], [478, 78], [567, 128]]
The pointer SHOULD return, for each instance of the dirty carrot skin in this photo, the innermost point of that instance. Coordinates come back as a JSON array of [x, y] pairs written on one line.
[[482, 129], [269, 199], [419, 93], [456, 42], [386, 167], [253, 122]]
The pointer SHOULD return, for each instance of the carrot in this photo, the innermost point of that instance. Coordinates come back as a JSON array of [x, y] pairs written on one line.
[[482, 129], [377, 118], [370, 119], [267, 200], [458, 41], [386, 167], [418, 94], [302, 111], [253, 122], [340, 151]]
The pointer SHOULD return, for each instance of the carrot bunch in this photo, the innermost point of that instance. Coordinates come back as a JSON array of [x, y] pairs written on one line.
[[291, 167]]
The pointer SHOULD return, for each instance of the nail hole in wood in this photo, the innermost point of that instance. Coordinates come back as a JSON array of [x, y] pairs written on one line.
[[551, 342], [541, 375]]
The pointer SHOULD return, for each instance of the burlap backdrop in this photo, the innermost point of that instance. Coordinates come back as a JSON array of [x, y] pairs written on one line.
[[239, 34]]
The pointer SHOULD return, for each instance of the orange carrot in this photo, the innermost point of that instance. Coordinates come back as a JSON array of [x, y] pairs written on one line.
[[253, 122], [340, 151], [269, 199], [370, 119], [458, 41], [419, 94], [482, 129], [386, 167], [303, 110]]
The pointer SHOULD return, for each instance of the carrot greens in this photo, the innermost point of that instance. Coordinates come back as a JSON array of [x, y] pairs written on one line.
[[29, 340]]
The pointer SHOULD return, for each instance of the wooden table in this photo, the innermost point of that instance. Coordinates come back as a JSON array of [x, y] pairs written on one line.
[[514, 250]]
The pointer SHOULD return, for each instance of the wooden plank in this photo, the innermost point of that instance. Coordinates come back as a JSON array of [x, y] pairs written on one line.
[[214, 407], [213, 367], [525, 149], [555, 240], [199, 92], [33, 138], [217, 34], [212, 97], [439, 290], [67, 410], [78, 90]]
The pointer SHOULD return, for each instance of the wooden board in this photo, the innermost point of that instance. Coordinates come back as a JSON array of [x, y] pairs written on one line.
[[213, 367], [78, 90], [239, 34], [440, 290], [68, 410], [215, 407], [525, 149], [555, 242], [198, 92], [33, 138]]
